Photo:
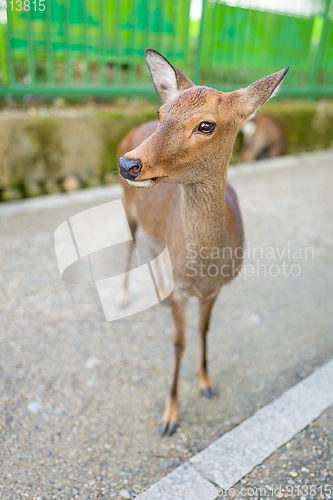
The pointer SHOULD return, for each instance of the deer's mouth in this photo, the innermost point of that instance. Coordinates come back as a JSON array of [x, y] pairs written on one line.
[[145, 183]]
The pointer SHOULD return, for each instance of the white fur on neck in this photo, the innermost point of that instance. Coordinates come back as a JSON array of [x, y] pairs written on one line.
[[144, 184]]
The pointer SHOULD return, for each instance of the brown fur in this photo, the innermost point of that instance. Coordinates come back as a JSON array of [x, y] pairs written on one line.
[[191, 202]]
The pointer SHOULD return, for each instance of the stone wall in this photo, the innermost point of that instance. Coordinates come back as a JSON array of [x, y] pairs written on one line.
[[45, 150], [39, 151]]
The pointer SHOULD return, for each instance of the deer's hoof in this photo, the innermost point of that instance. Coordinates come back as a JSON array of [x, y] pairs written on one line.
[[209, 392], [167, 428]]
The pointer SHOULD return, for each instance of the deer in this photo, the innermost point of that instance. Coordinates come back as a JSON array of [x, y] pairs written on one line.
[[263, 136], [174, 171]]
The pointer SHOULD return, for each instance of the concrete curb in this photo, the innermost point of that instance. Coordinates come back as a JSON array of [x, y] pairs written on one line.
[[48, 202], [222, 464], [51, 201], [280, 162]]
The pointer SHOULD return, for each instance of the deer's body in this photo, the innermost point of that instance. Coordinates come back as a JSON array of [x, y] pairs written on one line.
[[176, 214], [184, 157], [264, 136]]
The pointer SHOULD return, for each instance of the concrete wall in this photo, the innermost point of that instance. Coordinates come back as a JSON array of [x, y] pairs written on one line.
[[43, 145], [36, 148]]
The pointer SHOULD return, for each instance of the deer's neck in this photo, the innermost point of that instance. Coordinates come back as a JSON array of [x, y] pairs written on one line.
[[204, 214]]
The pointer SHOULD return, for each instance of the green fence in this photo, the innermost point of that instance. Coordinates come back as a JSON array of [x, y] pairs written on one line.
[[88, 47], [96, 47], [246, 43]]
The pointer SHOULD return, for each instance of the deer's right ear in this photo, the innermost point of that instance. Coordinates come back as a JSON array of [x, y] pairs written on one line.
[[167, 79], [256, 94]]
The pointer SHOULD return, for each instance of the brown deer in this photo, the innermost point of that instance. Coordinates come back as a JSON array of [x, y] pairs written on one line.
[[184, 158], [263, 136]]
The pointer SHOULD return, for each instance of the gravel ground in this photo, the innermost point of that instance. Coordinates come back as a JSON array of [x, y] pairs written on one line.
[[81, 400]]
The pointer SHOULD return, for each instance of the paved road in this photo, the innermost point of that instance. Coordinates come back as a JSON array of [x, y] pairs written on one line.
[[81, 400]]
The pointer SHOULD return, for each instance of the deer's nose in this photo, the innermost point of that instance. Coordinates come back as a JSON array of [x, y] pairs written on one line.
[[129, 169]]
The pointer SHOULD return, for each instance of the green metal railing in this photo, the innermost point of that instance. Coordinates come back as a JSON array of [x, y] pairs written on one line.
[[246, 43], [96, 47], [88, 47]]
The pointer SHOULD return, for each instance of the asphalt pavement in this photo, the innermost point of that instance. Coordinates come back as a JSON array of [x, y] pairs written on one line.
[[81, 399]]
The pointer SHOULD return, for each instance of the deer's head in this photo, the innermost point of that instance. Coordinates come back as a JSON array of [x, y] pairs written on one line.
[[197, 127]]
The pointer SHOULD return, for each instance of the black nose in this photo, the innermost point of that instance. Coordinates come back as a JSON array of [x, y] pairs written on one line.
[[129, 169]]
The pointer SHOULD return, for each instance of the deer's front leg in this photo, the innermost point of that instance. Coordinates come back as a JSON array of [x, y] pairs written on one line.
[[205, 384], [170, 416]]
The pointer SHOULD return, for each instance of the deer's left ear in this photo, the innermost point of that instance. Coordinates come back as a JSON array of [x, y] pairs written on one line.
[[167, 79], [256, 94]]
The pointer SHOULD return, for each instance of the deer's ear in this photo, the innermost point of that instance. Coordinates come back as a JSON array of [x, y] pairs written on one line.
[[167, 79], [256, 94]]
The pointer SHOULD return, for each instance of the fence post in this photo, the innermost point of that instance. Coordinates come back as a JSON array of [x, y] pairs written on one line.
[[9, 50], [321, 48], [3, 51], [31, 51], [199, 50], [49, 46]]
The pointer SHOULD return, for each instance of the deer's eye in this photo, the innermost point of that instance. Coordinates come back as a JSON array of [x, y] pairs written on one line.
[[206, 127]]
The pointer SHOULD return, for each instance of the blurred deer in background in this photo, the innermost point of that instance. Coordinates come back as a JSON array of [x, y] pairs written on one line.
[[263, 137], [184, 158]]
